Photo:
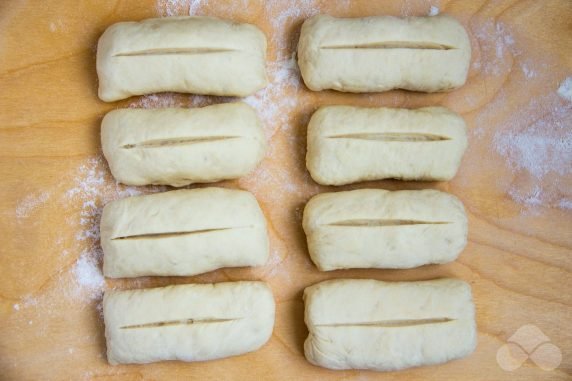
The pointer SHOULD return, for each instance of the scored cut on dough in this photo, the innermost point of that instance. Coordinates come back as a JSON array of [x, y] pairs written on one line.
[[192, 322], [375, 228], [382, 53], [182, 232], [196, 54], [385, 326], [177, 146], [350, 144]]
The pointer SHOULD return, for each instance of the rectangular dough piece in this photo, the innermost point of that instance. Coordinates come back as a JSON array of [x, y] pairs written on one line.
[[351, 144], [191, 322], [182, 146], [183, 232], [375, 228], [202, 55], [382, 53], [385, 326]]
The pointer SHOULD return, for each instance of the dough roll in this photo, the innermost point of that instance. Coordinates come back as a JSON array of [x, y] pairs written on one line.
[[374, 228], [386, 326], [183, 232], [202, 55], [382, 53], [351, 144], [192, 322], [182, 146]]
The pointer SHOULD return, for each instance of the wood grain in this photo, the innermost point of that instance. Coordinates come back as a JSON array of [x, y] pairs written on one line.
[[518, 260]]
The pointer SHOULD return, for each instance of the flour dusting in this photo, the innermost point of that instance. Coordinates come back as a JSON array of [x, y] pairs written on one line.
[[495, 43], [27, 205], [88, 275], [272, 107], [535, 139], [536, 142], [195, 6], [151, 101], [565, 89], [433, 11], [167, 8], [284, 16], [93, 188]]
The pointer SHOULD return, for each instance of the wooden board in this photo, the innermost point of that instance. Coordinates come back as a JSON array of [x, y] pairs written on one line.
[[515, 181]]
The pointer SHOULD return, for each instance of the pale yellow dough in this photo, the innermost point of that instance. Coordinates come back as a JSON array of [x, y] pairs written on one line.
[[176, 146], [202, 55], [351, 144], [192, 322], [183, 232], [382, 53], [385, 326], [375, 228]]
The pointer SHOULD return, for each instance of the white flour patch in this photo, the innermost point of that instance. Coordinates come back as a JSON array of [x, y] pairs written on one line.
[[30, 203], [272, 106], [536, 143], [87, 274], [165, 100], [167, 8], [433, 11], [16, 307], [195, 6], [565, 89]]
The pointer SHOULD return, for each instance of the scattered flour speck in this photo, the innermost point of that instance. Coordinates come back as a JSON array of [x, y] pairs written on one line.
[[17, 307], [433, 11], [565, 89], [527, 70]]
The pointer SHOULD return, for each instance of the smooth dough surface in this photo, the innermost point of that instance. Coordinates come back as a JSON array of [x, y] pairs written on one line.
[[202, 55], [375, 228], [351, 144], [192, 322], [382, 53], [370, 324], [176, 146], [183, 232]]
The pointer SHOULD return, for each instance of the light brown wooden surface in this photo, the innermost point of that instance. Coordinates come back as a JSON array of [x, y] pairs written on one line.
[[515, 181]]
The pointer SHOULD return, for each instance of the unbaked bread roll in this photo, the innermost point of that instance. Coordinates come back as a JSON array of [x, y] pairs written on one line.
[[183, 232], [182, 146], [382, 53], [374, 228], [350, 144], [370, 324], [202, 55], [192, 322]]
